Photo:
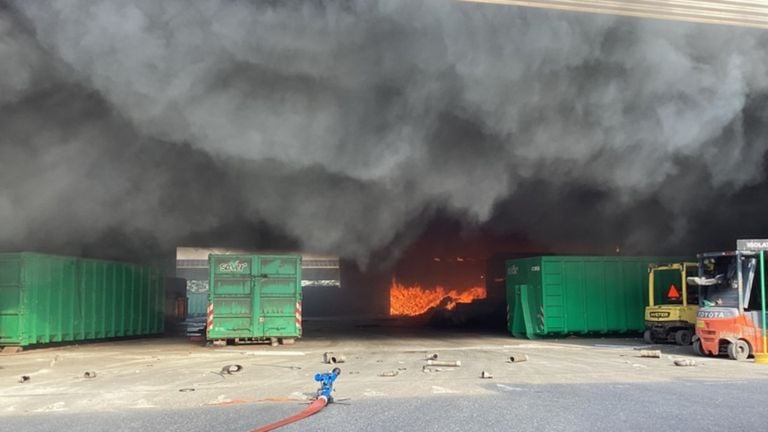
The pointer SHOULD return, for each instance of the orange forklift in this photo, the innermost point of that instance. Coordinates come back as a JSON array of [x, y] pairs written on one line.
[[731, 301]]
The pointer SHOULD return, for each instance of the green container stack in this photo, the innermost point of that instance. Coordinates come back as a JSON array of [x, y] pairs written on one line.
[[562, 295], [254, 297], [54, 299]]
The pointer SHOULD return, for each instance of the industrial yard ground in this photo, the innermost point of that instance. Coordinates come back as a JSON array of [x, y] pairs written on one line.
[[569, 384]]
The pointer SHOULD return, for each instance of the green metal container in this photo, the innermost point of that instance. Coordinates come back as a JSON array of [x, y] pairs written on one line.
[[53, 299], [561, 295], [198, 303], [254, 297]]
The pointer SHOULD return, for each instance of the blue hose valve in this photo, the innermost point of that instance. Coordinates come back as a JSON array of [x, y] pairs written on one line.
[[326, 383]]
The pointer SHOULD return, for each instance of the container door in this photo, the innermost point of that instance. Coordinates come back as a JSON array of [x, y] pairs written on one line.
[[232, 295], [280, 291], [10, 300], [522, 320], [198, 304]]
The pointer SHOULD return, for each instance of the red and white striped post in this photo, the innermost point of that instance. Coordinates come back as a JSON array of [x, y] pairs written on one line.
[[298, 317], [209, 324]]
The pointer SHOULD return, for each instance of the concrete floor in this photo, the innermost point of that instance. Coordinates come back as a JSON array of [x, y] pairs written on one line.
[[172, 374], [679, 405]]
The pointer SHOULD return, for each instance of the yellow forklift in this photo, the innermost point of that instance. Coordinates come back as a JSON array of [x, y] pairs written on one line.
[[671, 312]]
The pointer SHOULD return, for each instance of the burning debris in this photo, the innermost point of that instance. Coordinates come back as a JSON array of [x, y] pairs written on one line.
[[415, 300]]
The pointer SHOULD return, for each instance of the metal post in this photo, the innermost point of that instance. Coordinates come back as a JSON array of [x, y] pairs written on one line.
[[739, 273], [684, 285], [762, 295]]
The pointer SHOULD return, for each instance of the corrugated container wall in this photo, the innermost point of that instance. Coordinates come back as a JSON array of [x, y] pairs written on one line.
[[560, 295], [254, 297], [47, 299], [198, 303]]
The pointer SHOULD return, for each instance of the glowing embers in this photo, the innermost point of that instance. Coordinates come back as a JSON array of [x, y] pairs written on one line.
[[415, 300]]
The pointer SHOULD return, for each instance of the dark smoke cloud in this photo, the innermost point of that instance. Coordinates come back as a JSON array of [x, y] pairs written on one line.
[[343, 125]]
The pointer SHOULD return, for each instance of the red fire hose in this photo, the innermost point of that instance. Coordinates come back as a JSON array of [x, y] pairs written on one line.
[[313, 408]]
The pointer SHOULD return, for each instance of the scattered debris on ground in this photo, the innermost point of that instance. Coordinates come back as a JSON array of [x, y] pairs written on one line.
[[449, 363], [650, 353], [517, 358], [24, 379], [231, 369], [486, 375], [331, 358], [391, 373], [89, 374], [428, 369], [685, 362]]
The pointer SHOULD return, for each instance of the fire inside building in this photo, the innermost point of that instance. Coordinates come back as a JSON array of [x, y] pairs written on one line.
[[447, 205]]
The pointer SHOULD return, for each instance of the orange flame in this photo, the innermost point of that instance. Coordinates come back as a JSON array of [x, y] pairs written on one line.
[[414, 300]]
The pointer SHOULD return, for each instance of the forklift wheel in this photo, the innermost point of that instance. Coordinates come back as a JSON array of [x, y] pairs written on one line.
[[683, 337], [648, 337], [697, 348], [738, 350]]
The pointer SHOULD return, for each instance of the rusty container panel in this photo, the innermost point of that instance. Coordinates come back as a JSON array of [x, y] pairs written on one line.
[[54, 299]]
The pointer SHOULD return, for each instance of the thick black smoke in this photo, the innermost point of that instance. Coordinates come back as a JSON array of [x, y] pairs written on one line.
[[341, 126]]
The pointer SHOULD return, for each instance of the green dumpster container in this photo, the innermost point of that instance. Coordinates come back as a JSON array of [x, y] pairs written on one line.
[[53, 299], [254, 297], [561, 295], [198, 303]]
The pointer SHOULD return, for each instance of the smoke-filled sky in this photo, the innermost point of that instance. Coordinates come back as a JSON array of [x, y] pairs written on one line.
[[345, 126]]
